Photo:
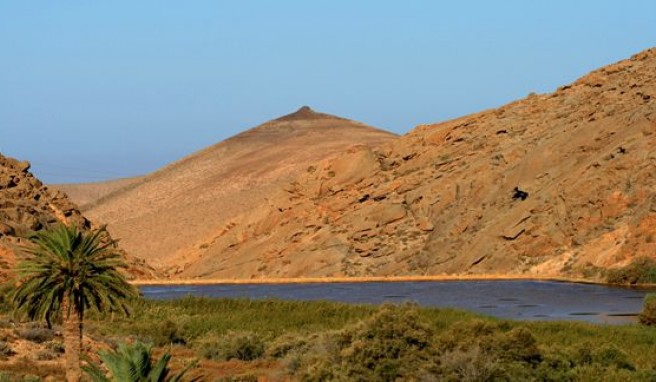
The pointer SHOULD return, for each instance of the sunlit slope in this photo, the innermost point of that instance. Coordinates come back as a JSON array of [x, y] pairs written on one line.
[[169, 217], [553, 184]]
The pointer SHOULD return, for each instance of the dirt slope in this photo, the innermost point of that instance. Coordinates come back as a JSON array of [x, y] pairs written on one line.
[[442, 198], [85, 194], [170, 217], [27, 205]]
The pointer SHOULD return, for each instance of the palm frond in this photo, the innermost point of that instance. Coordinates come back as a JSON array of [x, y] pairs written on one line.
[[68, 263], [133, 363]]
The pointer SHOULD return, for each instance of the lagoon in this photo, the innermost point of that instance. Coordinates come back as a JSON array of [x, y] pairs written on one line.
[[511, 299]]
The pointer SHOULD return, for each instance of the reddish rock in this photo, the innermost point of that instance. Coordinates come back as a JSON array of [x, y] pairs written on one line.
[[27, 205]]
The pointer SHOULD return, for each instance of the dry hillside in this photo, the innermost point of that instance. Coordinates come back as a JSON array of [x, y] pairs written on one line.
[[171, 217], [443, 198], [27, 205], [85, 194]]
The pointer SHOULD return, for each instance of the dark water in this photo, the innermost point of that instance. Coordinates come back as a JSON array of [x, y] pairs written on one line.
[[520, 300]]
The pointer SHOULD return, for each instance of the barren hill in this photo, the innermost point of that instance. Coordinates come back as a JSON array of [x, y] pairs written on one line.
[[88, 193], [551, 184], [171, 216], [27, 205]]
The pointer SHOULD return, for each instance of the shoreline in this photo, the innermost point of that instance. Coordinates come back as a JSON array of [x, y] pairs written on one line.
[[359, 279]]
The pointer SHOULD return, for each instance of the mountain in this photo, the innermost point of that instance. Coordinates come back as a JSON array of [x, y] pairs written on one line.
[[553, 184], [170, 217], [27, 205]]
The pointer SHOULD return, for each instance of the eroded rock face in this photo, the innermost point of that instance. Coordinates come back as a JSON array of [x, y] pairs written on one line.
[[26, 205], [442, 199]]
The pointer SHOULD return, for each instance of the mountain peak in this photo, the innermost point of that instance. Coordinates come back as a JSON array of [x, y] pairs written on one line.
[[306, 113]]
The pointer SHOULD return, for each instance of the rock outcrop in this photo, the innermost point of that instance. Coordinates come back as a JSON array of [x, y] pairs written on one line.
[[26, 205], [552, 184]]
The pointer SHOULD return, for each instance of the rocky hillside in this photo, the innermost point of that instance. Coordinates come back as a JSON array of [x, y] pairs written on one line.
[[171, 217], [27, 205], [552, 184]]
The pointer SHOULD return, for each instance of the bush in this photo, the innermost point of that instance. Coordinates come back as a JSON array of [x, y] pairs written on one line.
[[470, 364], [480, 350], [642, 270], [53, 350], [46, 355], [612, 357], [516, 345], [55, 347], [286, 344], [37, 335], [244, 346], [5, 350], [168, 333], [648, 314], [393, 344]]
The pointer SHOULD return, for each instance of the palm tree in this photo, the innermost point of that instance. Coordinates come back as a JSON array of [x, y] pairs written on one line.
[[132, 363], [66, 271]]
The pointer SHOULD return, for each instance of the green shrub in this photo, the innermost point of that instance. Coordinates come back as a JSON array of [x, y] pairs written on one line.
[[648, 314], [53, 350], [483, 350], [55, 346], [471, 364], [168, 332], [466, 333], [642, 270], [611, 357], [516, 345], [287, 343], [244, 346], [5, 350], [393, 344]]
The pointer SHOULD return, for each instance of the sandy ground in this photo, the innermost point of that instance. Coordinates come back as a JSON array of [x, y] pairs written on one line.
[[302, 280]]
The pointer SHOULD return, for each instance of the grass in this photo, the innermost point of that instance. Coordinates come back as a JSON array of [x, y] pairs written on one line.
[[197, 317], [637, 341]]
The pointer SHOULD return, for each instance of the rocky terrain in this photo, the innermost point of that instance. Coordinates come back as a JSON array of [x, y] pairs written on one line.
[[27, 205], [171, 217], [553, 184]]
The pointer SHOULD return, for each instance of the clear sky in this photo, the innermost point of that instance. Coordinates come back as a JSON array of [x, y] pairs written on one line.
[[92, 90]]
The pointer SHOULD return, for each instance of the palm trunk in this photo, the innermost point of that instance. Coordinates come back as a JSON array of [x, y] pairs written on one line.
[[72, 342]]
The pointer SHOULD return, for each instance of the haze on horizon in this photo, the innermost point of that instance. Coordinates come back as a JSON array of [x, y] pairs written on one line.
[[93, 91]]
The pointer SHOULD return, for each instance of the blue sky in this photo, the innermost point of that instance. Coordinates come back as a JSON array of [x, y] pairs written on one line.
[[93, 90]]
